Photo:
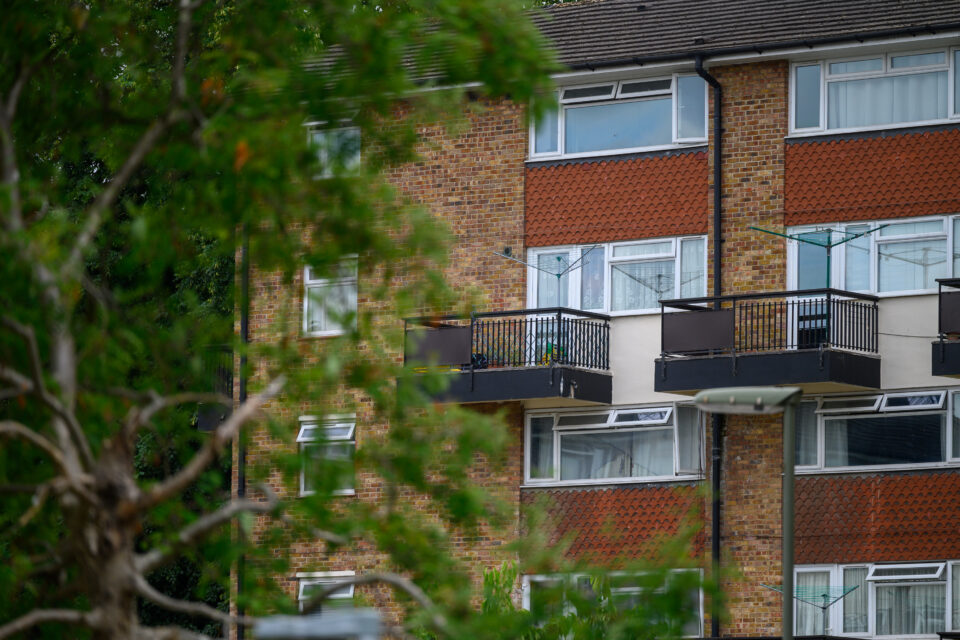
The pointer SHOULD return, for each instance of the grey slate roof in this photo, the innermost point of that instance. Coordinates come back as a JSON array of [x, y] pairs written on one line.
[[605, 32]]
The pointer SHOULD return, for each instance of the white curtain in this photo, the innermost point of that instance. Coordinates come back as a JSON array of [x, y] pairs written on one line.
[[855, 603], [809, 617], [835, 445], [887, 100], [641, 285], [918, 608], [618, 454]]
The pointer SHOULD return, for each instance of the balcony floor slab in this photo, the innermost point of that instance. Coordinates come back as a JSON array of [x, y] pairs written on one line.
[[500, 385]]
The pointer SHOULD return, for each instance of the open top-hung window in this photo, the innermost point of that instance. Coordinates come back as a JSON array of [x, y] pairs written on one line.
[[327, 448], [622, 116], [875, 90], [651, 443]]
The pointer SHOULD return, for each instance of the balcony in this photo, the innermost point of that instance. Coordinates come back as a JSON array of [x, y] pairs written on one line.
[[554, 353], [945, 356], [822, 340]]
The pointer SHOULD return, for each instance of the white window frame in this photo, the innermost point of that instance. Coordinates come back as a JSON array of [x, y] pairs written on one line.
[[610, 426], [838, 254], [323, 130], [310, 426], [949, 398], [570, 581], [318, 284], [576, 252], [616, 97], [312, 578], [886, 70], [836, 612], [937, 572]]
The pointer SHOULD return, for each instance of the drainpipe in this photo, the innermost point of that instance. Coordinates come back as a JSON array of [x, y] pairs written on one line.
[[716, 419], [242, 396]]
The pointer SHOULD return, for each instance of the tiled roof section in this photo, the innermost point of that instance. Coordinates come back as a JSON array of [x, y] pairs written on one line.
[[889, 176], [609, 526], [623, 199], [875, 518], [604, 31]]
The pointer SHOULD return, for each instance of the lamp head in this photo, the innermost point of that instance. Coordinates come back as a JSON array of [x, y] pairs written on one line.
[[746, 400]]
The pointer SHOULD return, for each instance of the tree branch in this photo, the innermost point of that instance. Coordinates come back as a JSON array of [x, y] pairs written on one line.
[[210, 450], [89, 619], [138, 417], [394, 580], [190, 608], [11, 428]]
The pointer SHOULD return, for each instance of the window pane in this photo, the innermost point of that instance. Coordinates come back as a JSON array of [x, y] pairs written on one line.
[[955, 589], [856, 276], [624, 125], [896, 439], [654, 416], [917, 60], [956, 426], [812, 261], [834, 405], [546, 600], [887, 100], [912, 228], [911, 609], [645, 86], [327, 465], [929, 400], [807, 434], [956, 244], [857, 66], [591, 278], [547, 132], [688, 440], [551, 290], [641, 285], [644, 249], [691, 107], [855, 602], [807, 99], [908, 266], [956, 81], [603, 91], [630, 454], [810, 586], [329, 304], [574, 421], [692, 268], [541, 447]]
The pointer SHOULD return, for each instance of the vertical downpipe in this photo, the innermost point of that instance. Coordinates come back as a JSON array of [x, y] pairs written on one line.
[[717, 419], [242, 395]]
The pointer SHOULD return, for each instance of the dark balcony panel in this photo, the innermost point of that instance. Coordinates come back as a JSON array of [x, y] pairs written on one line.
[[499, 385], [218, 369], [828, 372], [950, 312], [516, 355], [945, 359], [823, 340]]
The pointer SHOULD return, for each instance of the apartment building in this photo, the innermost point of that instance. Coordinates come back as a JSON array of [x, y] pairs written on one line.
[[727, 194]]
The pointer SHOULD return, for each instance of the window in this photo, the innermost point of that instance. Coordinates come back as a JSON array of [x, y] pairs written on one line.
[[894, 257], [311, 583], [623, 277], [906, 429], [326, 449], [330, 303], [338, 150], [888, 600], [649, 443], [550, 596], [875, 91], [628, 115]]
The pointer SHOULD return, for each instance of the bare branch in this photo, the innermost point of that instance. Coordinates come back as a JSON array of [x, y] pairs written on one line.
[[38, 616], [211, 449], [138, 417], [190, 608], [39, 498], [197, 530], [394, 580], [11, 428]]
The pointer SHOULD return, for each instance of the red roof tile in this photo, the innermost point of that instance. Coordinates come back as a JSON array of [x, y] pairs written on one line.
[[875, 518], [619, 524], [609, 200], [891, 176]]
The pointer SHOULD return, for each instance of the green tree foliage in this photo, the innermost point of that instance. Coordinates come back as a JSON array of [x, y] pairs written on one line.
[[138, 142]]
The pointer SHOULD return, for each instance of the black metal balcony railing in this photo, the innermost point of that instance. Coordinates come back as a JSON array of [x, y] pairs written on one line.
[[527, 338], [766, 322]]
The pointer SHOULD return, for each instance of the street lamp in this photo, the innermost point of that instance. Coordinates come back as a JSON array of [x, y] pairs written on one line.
[[345, 624], [768, 400]]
